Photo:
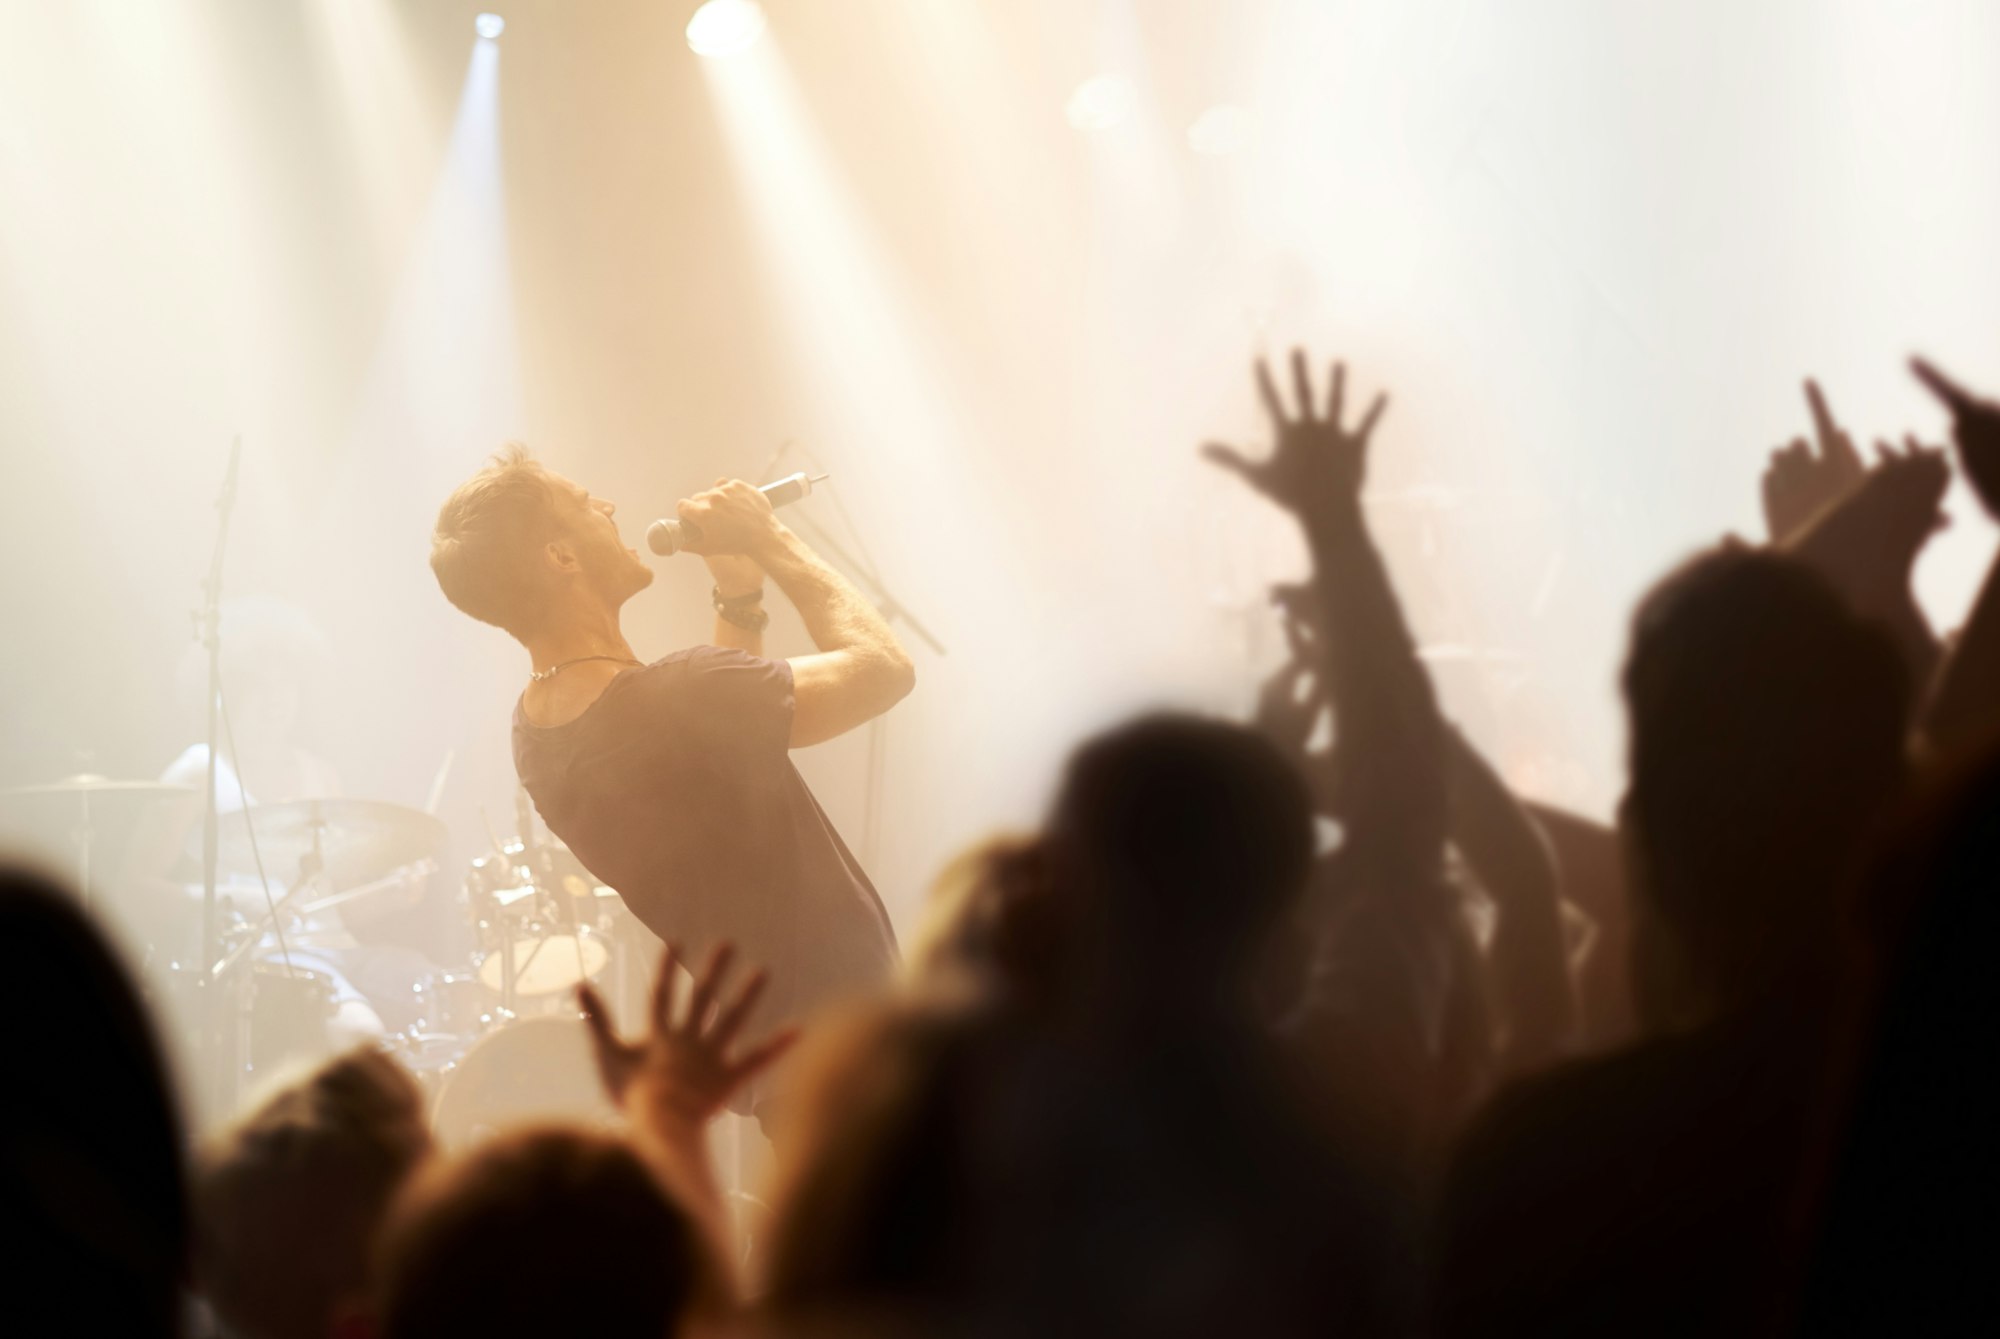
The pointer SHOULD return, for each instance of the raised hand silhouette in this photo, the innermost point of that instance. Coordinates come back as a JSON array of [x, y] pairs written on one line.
[[681, 1072], [1316, 465], [1868, 542], [1976, 430], [1801, 481], [1963, 708]]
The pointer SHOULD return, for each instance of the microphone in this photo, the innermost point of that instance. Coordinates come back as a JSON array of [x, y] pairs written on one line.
[[668, 537]]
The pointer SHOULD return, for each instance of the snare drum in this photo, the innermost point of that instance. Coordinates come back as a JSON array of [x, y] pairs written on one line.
[[541, 922], [546, 963]]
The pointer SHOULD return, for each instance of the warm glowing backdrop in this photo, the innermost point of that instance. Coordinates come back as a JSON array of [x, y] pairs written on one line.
[[999, 266]]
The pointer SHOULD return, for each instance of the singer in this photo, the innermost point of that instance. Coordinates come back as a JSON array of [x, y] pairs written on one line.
[[671, 780]]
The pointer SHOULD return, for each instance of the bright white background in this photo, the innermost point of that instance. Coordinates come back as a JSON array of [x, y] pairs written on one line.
[[1589, 248]]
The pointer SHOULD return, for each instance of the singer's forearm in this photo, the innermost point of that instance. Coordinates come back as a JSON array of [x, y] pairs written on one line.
[[837, 616], [732, 638], [862, 669]]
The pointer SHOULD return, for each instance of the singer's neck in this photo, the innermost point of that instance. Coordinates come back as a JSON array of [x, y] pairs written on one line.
[[581, 632]]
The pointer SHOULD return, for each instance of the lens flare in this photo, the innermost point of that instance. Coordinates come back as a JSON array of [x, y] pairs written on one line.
[[1099, 103], [1222, 130]]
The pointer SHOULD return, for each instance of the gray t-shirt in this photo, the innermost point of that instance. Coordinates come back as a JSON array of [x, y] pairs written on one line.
[[676, 788]]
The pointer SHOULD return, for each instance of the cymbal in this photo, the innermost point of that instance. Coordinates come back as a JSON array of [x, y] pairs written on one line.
[[94, 806], [87, 819], [86, 785], [357, 839]]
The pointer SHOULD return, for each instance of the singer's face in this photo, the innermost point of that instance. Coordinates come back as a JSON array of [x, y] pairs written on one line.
[[612, 567]]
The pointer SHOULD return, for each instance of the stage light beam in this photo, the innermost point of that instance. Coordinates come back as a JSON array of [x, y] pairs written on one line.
[[489, 26], [725, 27]]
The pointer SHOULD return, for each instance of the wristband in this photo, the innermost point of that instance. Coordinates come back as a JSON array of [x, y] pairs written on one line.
[[735, 601], [740, 611]]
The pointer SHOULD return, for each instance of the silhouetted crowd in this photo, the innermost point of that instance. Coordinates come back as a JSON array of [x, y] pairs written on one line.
[[1258, 1035]]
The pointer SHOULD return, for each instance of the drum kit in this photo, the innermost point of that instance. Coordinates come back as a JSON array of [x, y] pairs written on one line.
[[493, 1034]]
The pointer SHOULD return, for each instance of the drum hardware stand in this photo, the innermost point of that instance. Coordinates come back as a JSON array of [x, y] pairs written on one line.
[[224, 974], [536, 866], [893, 611], [208, 626], [548, 885], [310, 869], [509, 995], [424, 867], [550, 895]]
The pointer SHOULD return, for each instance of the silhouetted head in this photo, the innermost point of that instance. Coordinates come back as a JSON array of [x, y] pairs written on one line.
[[1905, 1245], [289, 1200], [518, 546], [962, 931], [552, 1231], [1183, 840], [93, 1203], [1767, 735]]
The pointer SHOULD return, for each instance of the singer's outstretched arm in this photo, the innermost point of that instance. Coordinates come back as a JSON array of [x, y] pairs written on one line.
[[861, 669]]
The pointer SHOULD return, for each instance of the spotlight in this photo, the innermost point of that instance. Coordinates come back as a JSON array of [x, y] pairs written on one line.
[[1222, 129], [1099, 103], [489, 26], [725, 27]]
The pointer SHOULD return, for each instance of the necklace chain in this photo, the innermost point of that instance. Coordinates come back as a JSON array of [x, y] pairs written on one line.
[[543, 676]]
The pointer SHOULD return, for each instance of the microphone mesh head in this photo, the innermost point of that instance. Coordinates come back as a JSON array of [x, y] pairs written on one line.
[[664, 538]]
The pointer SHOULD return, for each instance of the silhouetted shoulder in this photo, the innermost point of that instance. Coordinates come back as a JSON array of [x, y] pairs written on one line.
[[1643, 1193]]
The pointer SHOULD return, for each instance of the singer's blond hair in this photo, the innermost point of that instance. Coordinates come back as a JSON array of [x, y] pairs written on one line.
[[489, 533]]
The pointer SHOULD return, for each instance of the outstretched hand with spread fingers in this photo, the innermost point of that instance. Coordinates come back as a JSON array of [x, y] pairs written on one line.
[[682, 1072], [1976, 429], [1316, 465]]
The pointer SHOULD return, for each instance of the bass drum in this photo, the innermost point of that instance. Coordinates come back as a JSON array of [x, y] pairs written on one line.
[[527, 1072]]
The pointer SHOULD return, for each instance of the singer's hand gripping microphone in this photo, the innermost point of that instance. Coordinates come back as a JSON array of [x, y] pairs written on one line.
[[668, 537]]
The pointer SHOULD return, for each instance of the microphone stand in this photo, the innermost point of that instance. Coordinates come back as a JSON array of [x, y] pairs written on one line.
[[894, 611], [209, 625]]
